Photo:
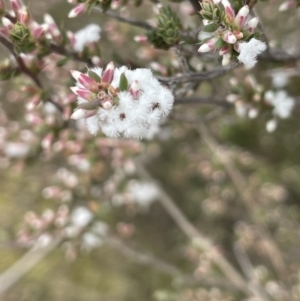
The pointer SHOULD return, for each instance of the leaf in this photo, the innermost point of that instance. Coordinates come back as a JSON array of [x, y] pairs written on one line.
[[211, 27], [94, 76], [62, 62], [123, 84]]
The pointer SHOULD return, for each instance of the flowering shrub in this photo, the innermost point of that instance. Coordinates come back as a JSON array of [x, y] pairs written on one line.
[[96, 105]]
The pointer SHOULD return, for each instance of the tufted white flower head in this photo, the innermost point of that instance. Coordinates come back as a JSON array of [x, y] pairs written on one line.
[[88, 34], [282, 102], [249, 52], [121, 102]]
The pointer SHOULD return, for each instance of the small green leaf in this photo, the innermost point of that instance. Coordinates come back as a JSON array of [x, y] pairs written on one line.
[[94, 76], [211, 27], [62, 62], [123, 84], [220, 43]]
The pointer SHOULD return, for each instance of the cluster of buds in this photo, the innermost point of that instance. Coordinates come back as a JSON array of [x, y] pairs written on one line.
[[168, 28], [228, 30], [251, 99], [87, 5], [119, 101]]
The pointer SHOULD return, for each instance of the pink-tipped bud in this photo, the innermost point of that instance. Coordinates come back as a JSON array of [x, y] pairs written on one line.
[[107, 104], [241, 17], [229, 37], [108, 74], [24, 16], [34, 102], [71, 37], [225, 49], [78, 114], [228, 8], [115, 4], [96, 60], [251, 24], [53, 29], [40, 32], [78, 10], [226, 59], [236, 46], [7, 23], [287, 5], [86, 94], [141, 39], [16, 5], [208, 45], [2, 7], [85, 80], [238, 34], [135, 90], [47, 141]]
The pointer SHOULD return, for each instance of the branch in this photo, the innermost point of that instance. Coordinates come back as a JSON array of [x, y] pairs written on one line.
[[197, 237], [10, 47], [129, 21]]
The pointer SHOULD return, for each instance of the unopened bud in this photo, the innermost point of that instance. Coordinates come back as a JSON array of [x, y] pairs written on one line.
[[141, 39], [251, 24], [241, 17], [24, 16], [228, 8], [7, 23], [34, 102], [226, 59], [2, 7], [16, 5], [84, 93], [135, 90], [287, 5], [107, 104], [208, 45], [40, 32], [229, 37], [78, 10], [85, 80], [47, 141], [108, 74], [78, 114]]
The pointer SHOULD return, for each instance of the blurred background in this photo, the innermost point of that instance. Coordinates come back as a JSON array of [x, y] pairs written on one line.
[[238, 184]]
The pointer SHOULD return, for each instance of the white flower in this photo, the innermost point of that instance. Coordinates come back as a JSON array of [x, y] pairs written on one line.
[[88, 34], [142, 194], [249, 52], [137, 111], [81, 217], [283, 104]]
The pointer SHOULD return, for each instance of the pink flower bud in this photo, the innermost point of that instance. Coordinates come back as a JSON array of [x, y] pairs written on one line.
[[16, 5], [107, 104], [238, 34], [2, 7], [7, 23], [135, 90], [34, 102], [108, 74], [251, 24], [140, 39], [86, 94], [71, 37], [24, 16], [96, 60], [241, 17], [78, 10], [228, 8], [39, 32], [115, 4], [208, 45], [228, 37], [47, 141], [236, 46], [287, 5], [225, 49], [53, 29], [85, 80], [226, 59], [78, 114]]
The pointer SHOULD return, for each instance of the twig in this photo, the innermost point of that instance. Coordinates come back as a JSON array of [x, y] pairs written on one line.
[[196, 236], [25, 264], [10, 47], [249, 200], [121, 19]]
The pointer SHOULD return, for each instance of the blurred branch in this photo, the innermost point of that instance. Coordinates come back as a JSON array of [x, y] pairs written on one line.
[[248, 199], [34, 77], [248, 270], [129, 21], [197, 237], [25, 264]]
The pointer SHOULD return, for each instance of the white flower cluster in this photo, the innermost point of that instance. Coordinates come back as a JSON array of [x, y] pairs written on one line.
[[135, 110], [88, 34], [249, 52]]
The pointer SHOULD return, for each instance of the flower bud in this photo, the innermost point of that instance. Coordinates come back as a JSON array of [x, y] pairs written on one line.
[[225, 49], [47, 141], [287, 5], [228, 37], [86, 94], [24, 16], [78, 10], [40, 32], [140, 39], [135, 90], [85, 80], [2, 7], [251, 24], [78, 114], [208, 45], [7, 23], [108, 74], [53, 29], [228, 8], [34, 102], [226, 59], [241, 17], [16, 5], [107, 104]]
